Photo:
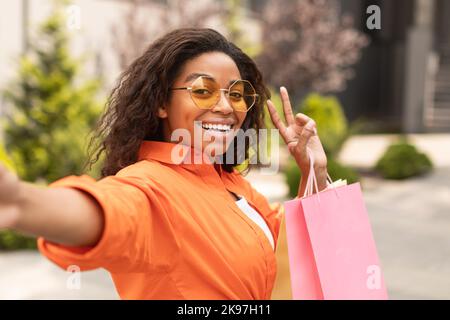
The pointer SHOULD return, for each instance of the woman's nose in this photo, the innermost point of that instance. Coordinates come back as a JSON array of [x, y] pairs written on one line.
[[223, 105]]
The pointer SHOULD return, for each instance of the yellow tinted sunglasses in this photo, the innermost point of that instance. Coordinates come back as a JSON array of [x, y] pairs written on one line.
[[205, 92]]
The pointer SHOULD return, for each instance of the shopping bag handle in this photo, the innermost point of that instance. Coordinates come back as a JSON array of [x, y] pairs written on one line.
[[312, 180]]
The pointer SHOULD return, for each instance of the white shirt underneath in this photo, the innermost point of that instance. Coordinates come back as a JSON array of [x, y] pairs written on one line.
[[256, 217]]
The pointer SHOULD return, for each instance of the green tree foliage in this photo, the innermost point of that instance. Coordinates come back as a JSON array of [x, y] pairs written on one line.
[[50, 112]]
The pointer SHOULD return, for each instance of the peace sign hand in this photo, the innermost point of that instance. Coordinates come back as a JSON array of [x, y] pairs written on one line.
[[300, 134]]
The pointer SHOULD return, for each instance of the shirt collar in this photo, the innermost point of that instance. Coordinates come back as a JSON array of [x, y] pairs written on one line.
[[173, 153], [162, 152]]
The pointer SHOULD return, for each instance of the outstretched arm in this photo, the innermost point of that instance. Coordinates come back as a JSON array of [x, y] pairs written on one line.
[[61, 215]]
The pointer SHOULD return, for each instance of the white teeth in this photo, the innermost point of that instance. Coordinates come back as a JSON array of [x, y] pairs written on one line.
[[221, 127]]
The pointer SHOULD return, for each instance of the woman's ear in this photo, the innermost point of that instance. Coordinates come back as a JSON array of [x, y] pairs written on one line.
[[162, 112]]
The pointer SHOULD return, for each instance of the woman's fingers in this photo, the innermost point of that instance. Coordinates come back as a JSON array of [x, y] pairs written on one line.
[[306, 122], [299, 129], [276, 120], [287, 108], [308, 131], [301, 119]]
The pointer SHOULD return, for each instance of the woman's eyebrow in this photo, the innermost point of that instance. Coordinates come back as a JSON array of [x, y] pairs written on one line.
[[195, 75], [232, 81]]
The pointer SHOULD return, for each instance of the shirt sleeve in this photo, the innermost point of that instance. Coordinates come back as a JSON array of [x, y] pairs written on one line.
[[138, 234]]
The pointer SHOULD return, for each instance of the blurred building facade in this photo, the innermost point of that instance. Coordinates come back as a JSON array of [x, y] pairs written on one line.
[[404, 76]]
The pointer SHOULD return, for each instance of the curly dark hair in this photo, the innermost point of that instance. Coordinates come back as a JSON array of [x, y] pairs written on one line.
[[131, 114]]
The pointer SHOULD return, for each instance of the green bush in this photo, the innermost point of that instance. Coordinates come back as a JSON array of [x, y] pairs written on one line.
[[401, 161], [293, 176], [335, 170], [329, 116], [10, 240], [52, 106], [338, 171]]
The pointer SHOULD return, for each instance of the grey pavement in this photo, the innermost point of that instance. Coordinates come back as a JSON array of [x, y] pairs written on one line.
[[364, 150], [411, 225], [28, 275]]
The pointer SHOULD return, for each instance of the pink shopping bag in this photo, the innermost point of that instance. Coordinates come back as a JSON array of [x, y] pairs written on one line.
[[332, 253]]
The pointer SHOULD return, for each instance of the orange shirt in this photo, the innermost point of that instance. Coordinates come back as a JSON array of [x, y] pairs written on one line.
[[172, 231]]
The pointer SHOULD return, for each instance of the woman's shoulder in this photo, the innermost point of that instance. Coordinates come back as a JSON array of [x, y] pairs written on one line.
[[149, 173], [145, 168]]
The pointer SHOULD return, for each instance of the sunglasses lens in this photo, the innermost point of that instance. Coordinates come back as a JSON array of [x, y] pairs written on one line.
[[242, 95], [205, 92]]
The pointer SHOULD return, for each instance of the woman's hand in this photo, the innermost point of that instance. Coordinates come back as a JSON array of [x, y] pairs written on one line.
[[10, 188], [299, 134]]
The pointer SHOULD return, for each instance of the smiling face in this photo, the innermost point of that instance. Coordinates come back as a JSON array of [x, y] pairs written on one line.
[[181, 112]]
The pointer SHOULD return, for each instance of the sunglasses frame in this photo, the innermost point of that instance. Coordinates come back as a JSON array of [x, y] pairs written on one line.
[[227, 93]]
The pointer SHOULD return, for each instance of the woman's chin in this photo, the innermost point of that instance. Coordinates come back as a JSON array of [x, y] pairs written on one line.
[[215, 149]]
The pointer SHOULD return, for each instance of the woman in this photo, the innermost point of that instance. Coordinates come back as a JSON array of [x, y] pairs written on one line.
[[167, 229]]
